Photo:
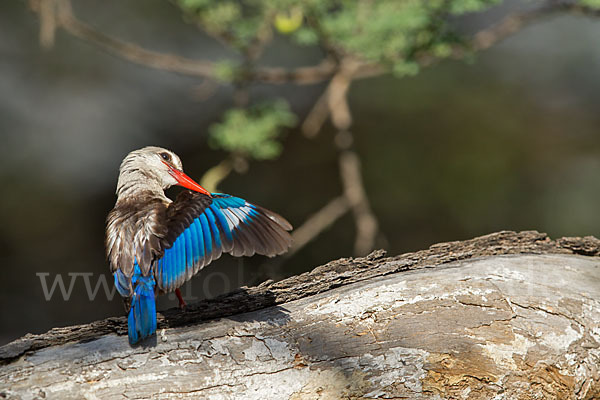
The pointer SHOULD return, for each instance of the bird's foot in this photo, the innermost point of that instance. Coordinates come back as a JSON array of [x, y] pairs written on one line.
[[182, 302]]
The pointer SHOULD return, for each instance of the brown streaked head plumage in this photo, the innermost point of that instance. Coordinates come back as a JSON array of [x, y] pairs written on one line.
[[146, 169]]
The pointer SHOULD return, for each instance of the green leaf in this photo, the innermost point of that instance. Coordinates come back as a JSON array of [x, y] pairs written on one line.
[[459, 7], [405, 68], [590, 3], [190, 5], [388, 32], [306, 36], [253, 132], [226, 71], [442, 50]]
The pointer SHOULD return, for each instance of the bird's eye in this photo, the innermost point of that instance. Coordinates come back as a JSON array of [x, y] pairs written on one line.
[[165, 156]]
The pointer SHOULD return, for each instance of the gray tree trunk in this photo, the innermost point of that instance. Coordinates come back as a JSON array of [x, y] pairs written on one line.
[[504, 316]]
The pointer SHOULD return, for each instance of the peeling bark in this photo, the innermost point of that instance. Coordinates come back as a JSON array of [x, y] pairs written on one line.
[[508, 315]]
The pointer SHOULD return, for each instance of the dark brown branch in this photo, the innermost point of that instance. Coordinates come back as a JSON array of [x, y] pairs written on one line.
[[301, 75]]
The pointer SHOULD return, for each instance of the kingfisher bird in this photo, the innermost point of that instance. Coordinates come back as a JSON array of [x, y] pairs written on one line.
[[154, 245]]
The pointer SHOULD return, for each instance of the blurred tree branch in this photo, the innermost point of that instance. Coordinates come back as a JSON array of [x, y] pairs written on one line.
[[318, 222], [58, 14], [47, 12], [64, 18], [335, 101], [513, 23], [359, 39]]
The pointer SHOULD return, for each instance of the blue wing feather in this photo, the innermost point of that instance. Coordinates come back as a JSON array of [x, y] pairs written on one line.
[[171, 260], [183, 256], [182, 264], [189, 260], [206, 233], [189, 256], [222, 200], [222, 221], [194, 248], [162, 276], [227, 224], [179, 259], [200, 237], [210, 216]]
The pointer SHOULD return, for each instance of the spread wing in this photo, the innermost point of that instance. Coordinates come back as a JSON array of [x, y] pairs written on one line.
[[201, 228]]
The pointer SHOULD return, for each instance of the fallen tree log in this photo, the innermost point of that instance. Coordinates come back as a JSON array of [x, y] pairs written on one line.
[[507, 315]]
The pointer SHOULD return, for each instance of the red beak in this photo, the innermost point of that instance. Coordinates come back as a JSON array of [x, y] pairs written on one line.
[[185, 181]]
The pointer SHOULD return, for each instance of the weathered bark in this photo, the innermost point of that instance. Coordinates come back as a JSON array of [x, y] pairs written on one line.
[[512, 315]]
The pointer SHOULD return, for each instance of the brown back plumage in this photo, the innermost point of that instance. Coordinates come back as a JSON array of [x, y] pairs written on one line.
[[136, 230]]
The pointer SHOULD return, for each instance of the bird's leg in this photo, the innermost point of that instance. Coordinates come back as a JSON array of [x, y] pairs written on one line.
[[182, 302]]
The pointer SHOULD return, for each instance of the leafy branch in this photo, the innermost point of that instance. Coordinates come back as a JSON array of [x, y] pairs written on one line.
[[358, 38]]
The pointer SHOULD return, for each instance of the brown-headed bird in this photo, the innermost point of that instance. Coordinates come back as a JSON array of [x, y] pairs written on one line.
[[155, 245]]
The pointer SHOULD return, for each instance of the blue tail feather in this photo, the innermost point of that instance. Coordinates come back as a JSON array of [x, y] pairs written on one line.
[[142, 314]]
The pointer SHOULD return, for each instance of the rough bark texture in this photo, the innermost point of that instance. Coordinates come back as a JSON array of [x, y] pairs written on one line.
[[508, 315]]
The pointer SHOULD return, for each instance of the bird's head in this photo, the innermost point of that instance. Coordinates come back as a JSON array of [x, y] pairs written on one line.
[[151, 166]]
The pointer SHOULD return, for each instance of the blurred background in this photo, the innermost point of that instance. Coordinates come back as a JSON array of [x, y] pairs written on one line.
[[437, 131]]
